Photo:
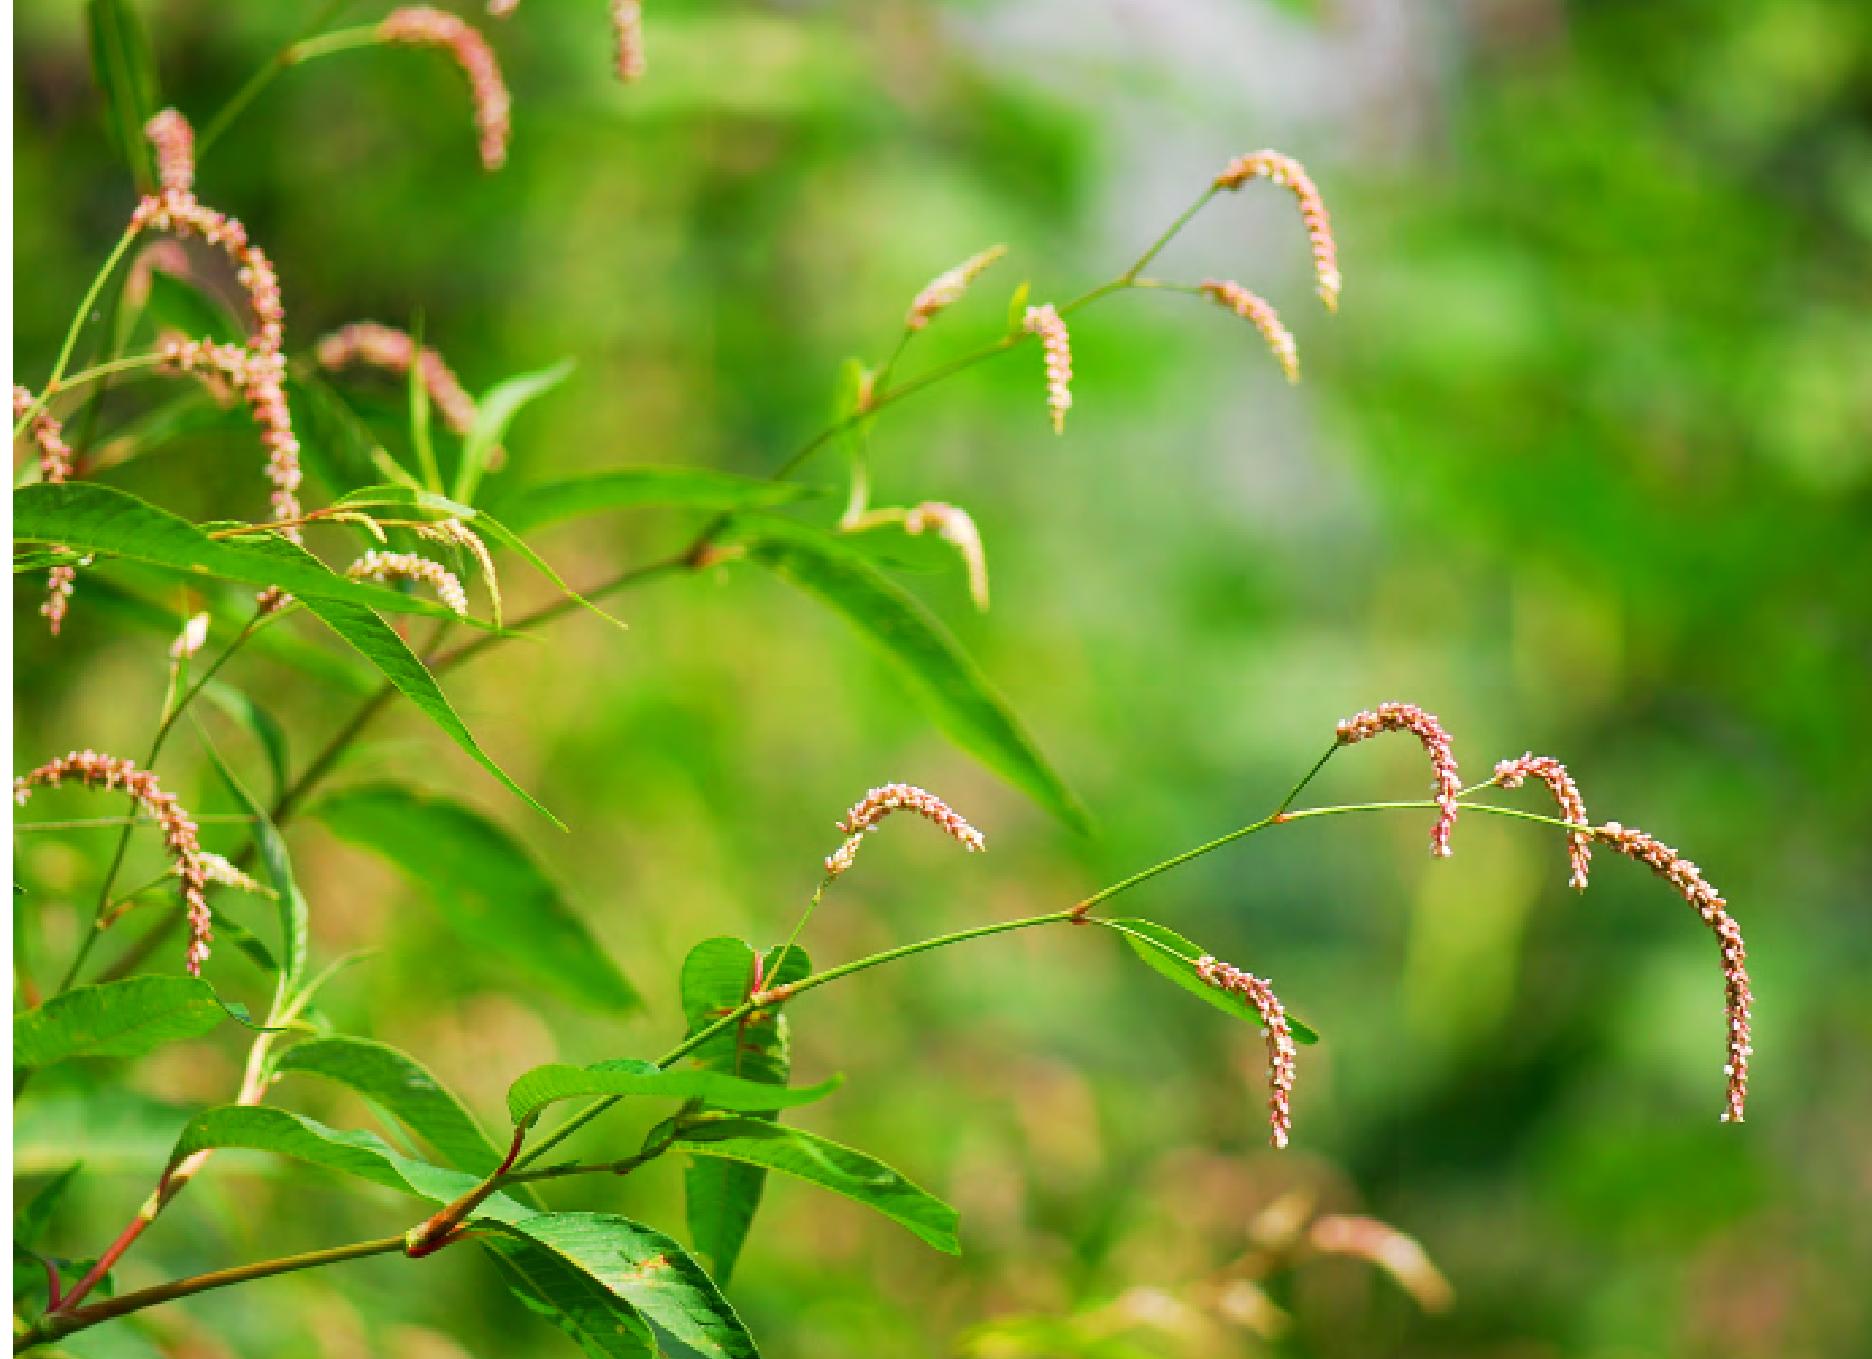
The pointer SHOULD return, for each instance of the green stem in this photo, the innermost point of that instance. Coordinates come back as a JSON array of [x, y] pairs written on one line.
[[1157, 246], [55, 1325], [259, 80], [1311, 774], [92, 293]]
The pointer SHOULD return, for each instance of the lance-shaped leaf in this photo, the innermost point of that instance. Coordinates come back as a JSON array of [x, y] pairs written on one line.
[[494, 412], [125, 70], [646, 1271], [354, 1152], [721, 1197], [403, 1087], [486, 885], [114, 1019], [1171, 955], [87, 517], [640, 487], [294, 915], [830, 1166], [258, 723], [953, 688], [545, 1085]]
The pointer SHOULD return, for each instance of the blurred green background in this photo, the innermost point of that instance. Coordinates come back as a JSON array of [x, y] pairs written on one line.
[[1584, 465]]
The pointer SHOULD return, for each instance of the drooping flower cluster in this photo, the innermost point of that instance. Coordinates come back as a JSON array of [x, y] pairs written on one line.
[[1566, 793], [393, 351], [1288, 172], [263, 372], [1056, 345], [955, 526], [946, 289], [386, 566], [1688, 880], [1379, 1243], [879, 803], [426, 26], [1436, 743], [1252, 307], [1279, 1035], [55, 465], [627, 32], [454, 533], [174, 140], [107, 772]]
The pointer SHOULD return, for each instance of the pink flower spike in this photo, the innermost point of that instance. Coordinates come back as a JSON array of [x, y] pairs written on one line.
[[174, 142], [425, 26], [1056, 345], [879, 803], [1252, 307], [1279, 1034], [1688, 882], [956, 527], [627, 31], [1289, 173], [1566, 793], [55, 466], [179, 832], [1436, 743], [385, 566], [393, 351], [946, 289]]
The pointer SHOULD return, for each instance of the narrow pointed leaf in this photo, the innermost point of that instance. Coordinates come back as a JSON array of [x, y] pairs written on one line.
[[639, 487], [647, 1271], [953, 688], [114, 1019], [494, 412], [831, 1166], [487, 886], [403, 1087], [125, 70], [546, 1085], [1171, 955], [294, 915]]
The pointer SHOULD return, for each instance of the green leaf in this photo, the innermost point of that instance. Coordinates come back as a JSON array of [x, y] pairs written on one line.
[[721, 1197], [175, 304], [294, 915], [487, 886], [362, 1154], [634, 487], [337, 446], [604, 1325], [951, 685], [545, 1085], [1017, 304], [405, 1088], [87, 517], [30, 1219], [493, 413], [114, 1019], [259, 724], [830, 1166], [379, 644], [125, 71], [1169, 953], [646, 1271], [112, 1130]]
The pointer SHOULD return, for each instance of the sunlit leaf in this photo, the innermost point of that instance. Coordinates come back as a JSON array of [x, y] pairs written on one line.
[[114, 1019], [956, 692], [639, 487], [545, 1085], [125, 70], [91, 518], [647, 1271], [111, 1129], [604, 1324], [486, 885], [494, 412], [831, 1166], [1170, 954]]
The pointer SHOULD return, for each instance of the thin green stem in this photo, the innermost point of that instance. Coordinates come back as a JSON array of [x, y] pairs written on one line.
[[55, 1325], [109, 267], [96, 371], [1487, 808], [1170, 233], [338, 40], [799, 926], [1310, 775], [259, 80], [112, 822]]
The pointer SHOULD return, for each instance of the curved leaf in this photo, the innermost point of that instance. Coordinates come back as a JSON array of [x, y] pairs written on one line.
[[402, 1086], [125, 70], [953, 688], [294, 914], [545, 1085], [648, 1272], [603, 1324], [114, 1019], [494, 412], [634, 487], [831, 1166], [487, 886], [87, 517], [1170, 954]]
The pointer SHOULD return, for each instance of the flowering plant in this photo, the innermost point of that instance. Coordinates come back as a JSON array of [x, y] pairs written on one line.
[[430, 527]]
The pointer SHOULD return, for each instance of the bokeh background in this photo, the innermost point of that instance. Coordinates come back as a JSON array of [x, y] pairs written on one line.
[[1584, 464]]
